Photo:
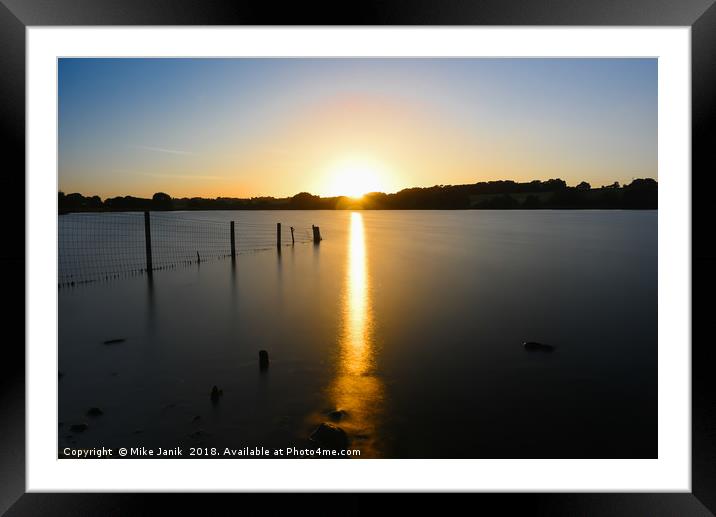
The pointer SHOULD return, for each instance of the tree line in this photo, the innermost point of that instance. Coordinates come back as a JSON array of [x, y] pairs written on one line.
[[491, 195]]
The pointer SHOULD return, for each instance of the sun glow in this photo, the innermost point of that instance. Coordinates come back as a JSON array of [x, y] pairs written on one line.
[[355, 178]]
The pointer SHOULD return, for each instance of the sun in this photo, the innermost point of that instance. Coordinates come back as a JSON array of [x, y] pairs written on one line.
[[355, 178]]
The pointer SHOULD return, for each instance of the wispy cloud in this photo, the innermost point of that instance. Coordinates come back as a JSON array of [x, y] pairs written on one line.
[[163, 150], [183, 176]]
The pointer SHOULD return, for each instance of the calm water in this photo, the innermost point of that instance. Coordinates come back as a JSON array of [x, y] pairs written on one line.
[[410, 321]]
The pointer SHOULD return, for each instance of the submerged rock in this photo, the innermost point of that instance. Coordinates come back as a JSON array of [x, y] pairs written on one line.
[[78, 428], [94, 411], [282, 421], [200, 433], [534, 345], [337, 414], [115, 341], [330, 436]]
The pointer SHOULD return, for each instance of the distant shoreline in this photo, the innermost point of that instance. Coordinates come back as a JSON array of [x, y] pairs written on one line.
[[519, 209], [554, 194]]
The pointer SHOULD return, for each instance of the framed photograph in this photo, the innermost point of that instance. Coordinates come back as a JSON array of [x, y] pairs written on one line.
[[414, 251]]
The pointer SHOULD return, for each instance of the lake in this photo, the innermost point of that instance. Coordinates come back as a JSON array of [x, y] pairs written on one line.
[[411, 322]]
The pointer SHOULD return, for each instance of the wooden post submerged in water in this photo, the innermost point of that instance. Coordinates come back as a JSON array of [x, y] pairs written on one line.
[[278, 235], [148, 241], [233, 243], [293, 241], [316, 234]]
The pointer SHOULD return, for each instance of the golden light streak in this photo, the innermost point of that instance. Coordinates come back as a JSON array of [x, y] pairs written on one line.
[[356, 388]]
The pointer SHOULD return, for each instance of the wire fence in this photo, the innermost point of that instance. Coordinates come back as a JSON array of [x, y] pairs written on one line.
[[106, 246]]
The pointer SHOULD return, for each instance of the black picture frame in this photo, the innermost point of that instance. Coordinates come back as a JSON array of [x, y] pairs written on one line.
[[17, 15]]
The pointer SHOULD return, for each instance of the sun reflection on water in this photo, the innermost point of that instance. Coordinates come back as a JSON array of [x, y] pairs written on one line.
[[357, 319], [356, 389]]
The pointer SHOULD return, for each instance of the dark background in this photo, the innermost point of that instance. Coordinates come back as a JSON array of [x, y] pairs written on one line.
[[15, 15]]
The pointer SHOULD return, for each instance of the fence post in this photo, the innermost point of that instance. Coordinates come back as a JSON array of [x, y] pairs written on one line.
[[293, 241], [316, 234], [233, 242], [278, 235], [148, 241]]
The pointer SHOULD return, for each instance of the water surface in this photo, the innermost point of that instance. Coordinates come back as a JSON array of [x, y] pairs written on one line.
[[412, 322]]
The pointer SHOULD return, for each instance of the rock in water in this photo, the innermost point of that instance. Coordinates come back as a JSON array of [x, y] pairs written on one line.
[[337, 414], [263, 359], [114, 341], [534, 345], [94, 411], [330, 436]]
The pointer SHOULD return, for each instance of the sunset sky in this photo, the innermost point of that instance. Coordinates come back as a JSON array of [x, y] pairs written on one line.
[[251, 127]]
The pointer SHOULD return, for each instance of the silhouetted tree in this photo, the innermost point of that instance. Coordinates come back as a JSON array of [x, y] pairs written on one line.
[[641, 194], [305, 201], [584, 186], [375, 200], [62, 203], [161, 201], [642, 184], [555, 184]]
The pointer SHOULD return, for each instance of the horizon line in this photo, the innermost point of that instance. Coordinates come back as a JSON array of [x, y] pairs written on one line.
[[66, 193]]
